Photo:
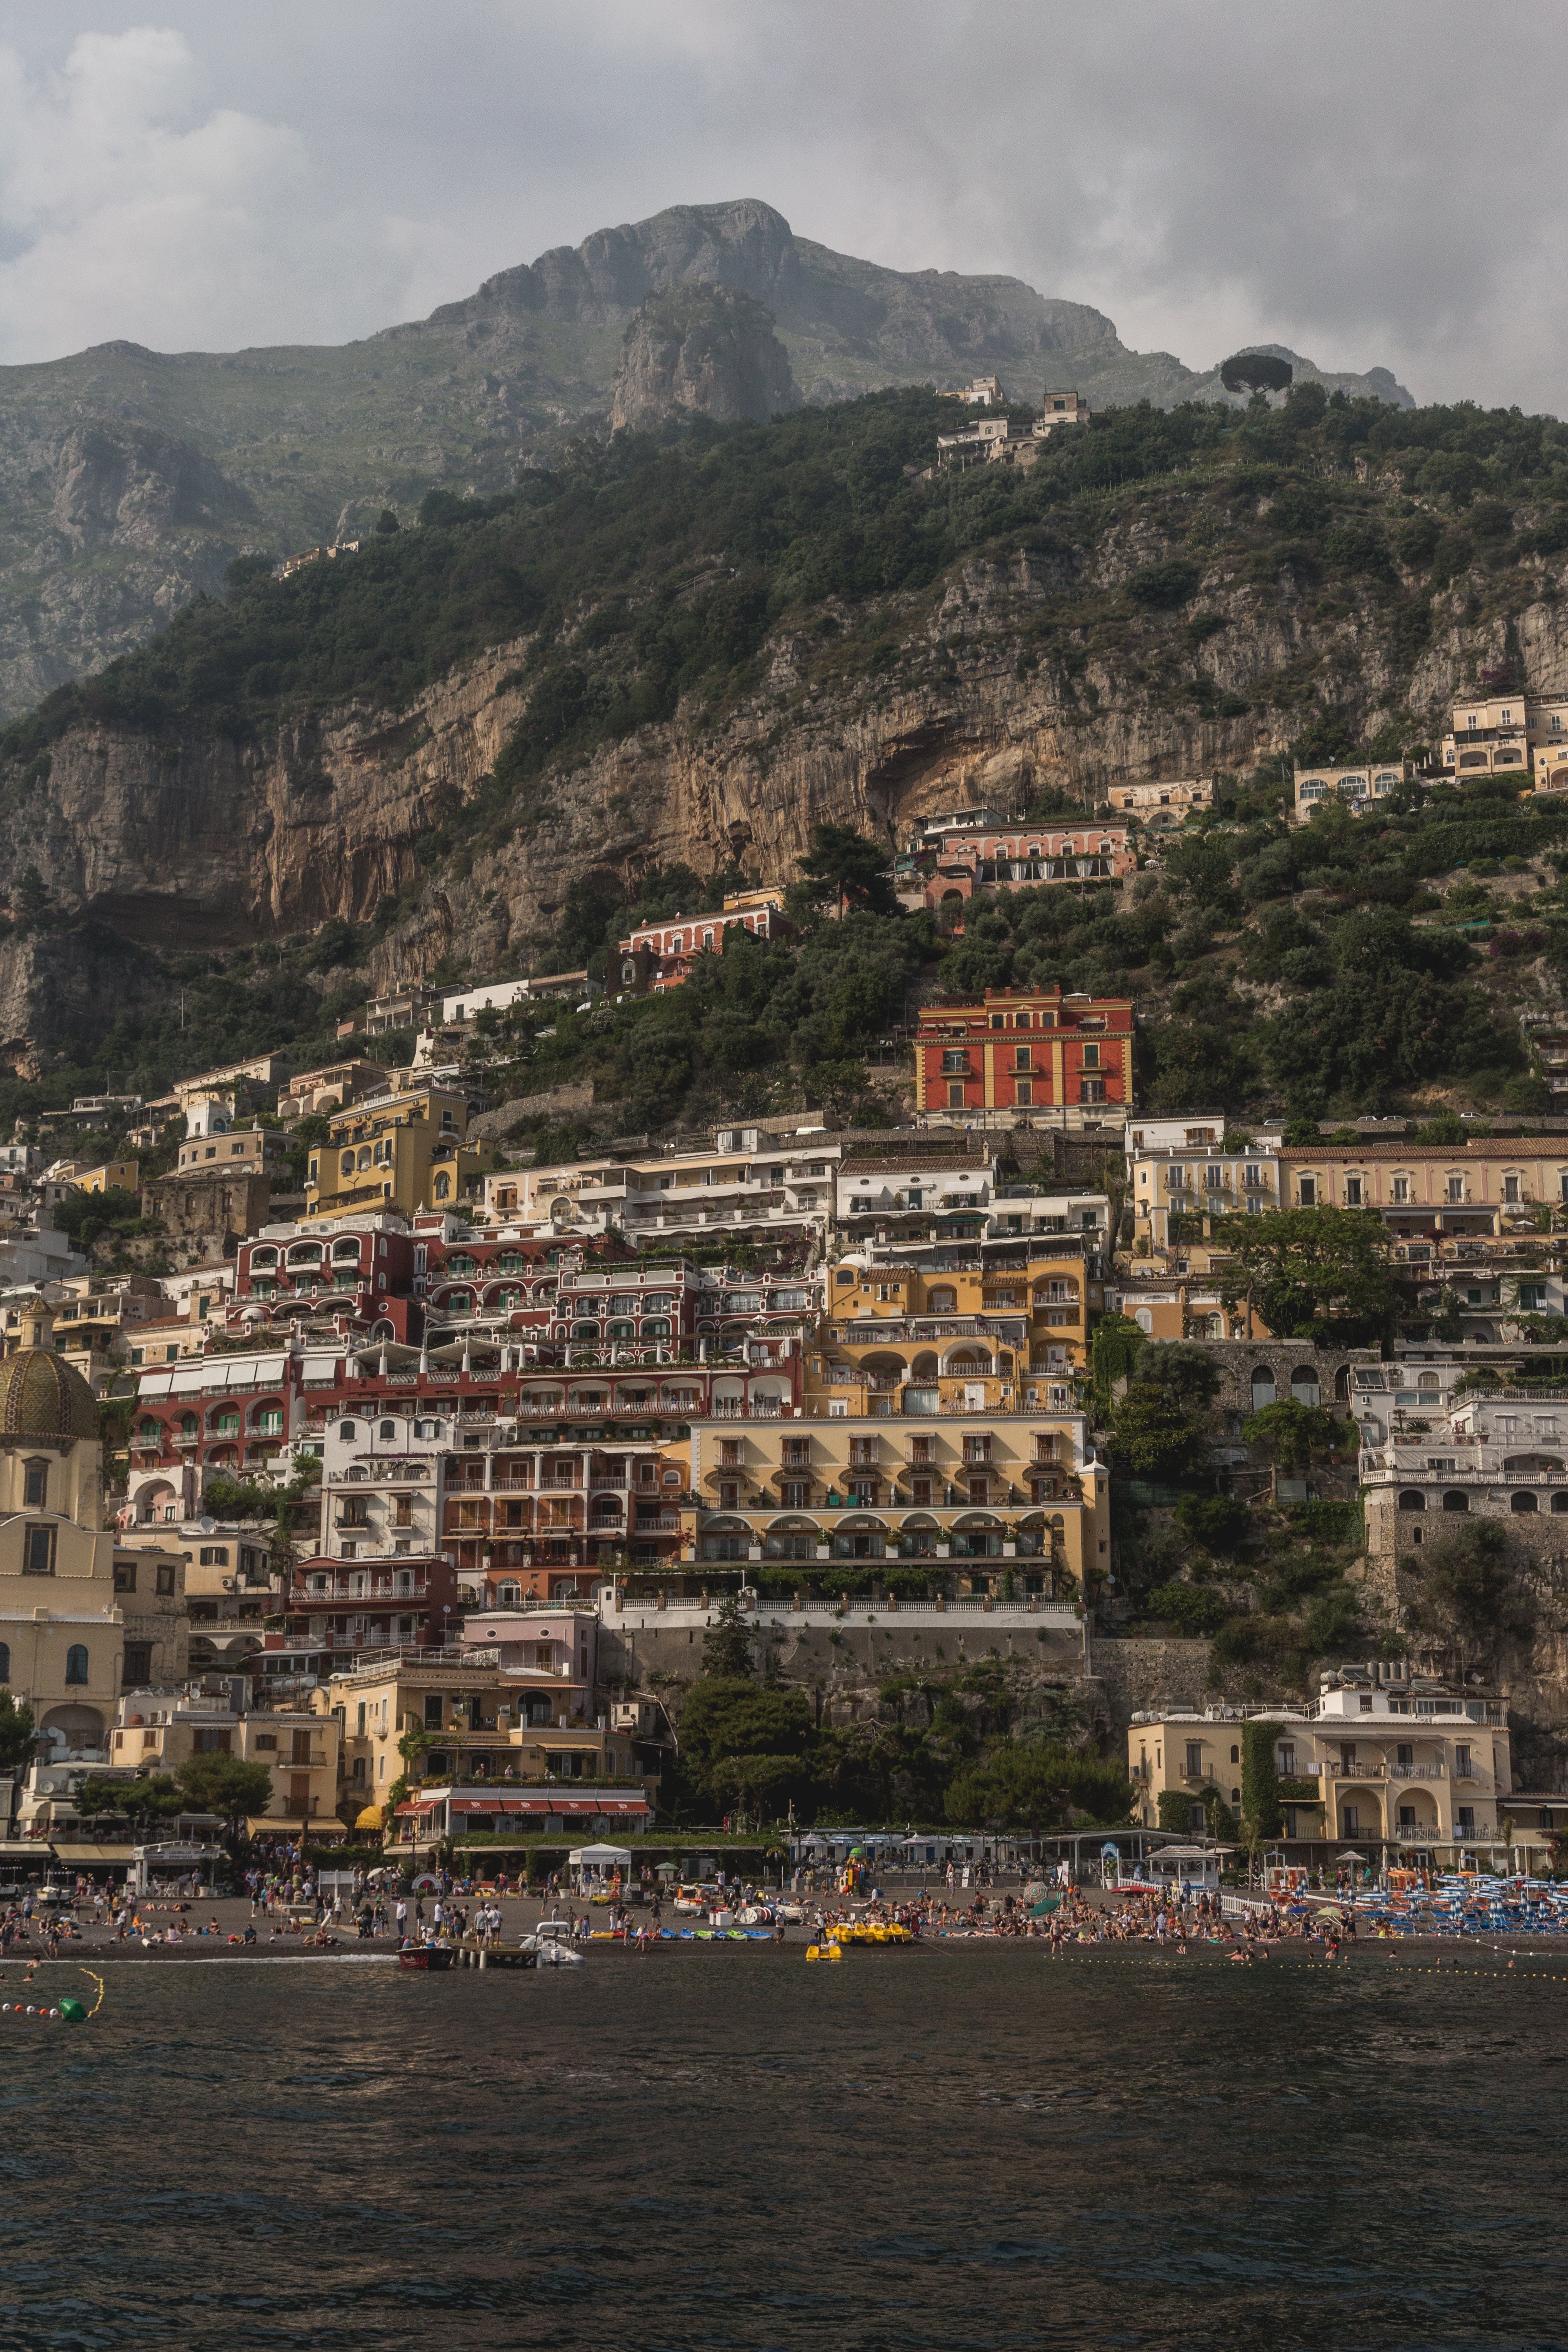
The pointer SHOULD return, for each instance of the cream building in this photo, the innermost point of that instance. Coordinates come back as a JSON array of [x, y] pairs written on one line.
[[79, 1619], [1398, 1764], [158, 1731]]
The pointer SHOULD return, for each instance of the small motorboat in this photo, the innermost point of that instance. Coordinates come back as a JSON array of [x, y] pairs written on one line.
[[426, 1956]]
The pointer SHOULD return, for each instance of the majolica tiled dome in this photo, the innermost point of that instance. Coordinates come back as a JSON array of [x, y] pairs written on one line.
[[42, 1398]]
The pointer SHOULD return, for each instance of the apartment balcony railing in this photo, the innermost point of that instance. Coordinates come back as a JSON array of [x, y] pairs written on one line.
[[1424, 1772]]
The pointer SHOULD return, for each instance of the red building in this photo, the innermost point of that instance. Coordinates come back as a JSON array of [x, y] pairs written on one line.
[[1026, 1051], [660, 955]]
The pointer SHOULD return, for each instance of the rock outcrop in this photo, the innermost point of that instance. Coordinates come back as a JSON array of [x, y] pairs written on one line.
[[130, 479], [702, 350]]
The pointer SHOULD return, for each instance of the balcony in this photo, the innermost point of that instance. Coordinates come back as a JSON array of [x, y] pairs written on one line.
[[1424, 1772]]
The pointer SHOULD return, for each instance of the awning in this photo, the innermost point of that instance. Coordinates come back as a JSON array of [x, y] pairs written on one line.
[[98, 1854], [294, 1825]]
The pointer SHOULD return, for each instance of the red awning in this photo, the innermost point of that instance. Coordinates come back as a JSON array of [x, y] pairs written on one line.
[[486, 1804]]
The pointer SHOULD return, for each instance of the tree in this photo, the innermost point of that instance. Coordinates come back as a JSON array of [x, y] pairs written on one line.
[[1260, 1812], [1469, 1597], [149, 1796], [385, 523], [1314, 1274], [1218, 1522], [227, 1786], [727, 1644], [1295, 1435], [1255, 371], [1155, 1435], [1036, 1786], [17, 1733], [850, 869]]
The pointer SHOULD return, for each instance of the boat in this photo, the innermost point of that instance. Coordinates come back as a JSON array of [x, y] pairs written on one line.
[[426, 1956]]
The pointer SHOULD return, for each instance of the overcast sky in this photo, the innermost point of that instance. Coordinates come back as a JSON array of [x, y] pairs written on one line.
[[1369, 184]]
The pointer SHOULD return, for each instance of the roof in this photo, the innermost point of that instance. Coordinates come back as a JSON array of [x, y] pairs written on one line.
[[42, 1397], [1491, 1147], [895, 1163]]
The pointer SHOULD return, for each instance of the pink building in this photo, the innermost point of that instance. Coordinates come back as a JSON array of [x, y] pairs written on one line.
[[1021, 855], [660, 955]]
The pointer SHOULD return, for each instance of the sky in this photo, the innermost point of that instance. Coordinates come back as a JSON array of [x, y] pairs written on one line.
[[1362, 184]]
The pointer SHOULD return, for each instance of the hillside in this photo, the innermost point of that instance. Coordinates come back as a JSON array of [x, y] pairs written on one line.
[[130, 479], [477, 745]]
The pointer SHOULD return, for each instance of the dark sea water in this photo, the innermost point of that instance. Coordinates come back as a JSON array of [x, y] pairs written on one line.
[[979, 2148]]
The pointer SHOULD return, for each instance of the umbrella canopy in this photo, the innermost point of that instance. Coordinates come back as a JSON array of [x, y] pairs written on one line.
[[597, 1857], [1350, 1857]]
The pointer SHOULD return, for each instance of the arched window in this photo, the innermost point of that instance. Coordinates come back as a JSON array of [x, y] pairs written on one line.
[[189, 1425], [1456, 1500], [149, 1431], [1263, 1389], [227, 1423], [1304, 1384], [620, 1331], [388, 1429], [1523, 1504], [348, 1164], [508, 1594], [656, 1326], [461, 1264], [75, 1663], [458, 1302], [348, 1429], [584, 1330], [443, 1188], [1412, 1501]]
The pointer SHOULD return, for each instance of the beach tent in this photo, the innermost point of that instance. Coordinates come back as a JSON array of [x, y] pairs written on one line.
[[599, 1857]]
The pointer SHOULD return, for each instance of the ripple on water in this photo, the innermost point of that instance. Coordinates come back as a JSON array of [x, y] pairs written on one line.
[[990, 2152]]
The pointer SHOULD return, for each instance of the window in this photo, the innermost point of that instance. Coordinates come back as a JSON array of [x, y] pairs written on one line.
[[1352, 1192], [347, 1428], [166, 1578], [1195, 1769], [1463, 1769], [433, 1711], [1091, 1090], [1455, 1187], [35, 1488], [1022, 1059], [75, 1663], [1025, 1092], [4, 1661], [1309, 1193], [125, 1576], [1091, 1057], [38, 1551], [955, 1102]]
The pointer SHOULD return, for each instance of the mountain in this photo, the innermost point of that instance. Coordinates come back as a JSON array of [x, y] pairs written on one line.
[[131, 479], [474, 745]]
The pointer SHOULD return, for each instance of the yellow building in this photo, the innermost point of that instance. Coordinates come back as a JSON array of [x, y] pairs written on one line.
[[1399, 1763], [158, 1731], [926, 1437], [1040, 1305], [111, 1176], [476, 1722], [78, 1620], [1489, 1186], [406, 1150]]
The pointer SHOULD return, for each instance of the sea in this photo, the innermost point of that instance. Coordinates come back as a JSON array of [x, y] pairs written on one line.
[[960, 2146]]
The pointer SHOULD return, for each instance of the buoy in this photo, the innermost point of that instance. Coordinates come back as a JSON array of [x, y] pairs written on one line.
[[72, 2011], [811, 1953]]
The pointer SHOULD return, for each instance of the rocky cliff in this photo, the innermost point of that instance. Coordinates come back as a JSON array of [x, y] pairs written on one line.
[[211, 838], [702, 350], [130, 479]]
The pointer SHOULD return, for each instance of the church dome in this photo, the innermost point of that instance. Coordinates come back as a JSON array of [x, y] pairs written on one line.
[[42, 1398]]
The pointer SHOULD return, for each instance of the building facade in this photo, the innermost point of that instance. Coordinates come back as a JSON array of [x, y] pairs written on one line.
[[1389, 1766], [1031, 1052]]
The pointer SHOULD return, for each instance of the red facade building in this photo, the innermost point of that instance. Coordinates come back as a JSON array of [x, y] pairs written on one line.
[[1025, 1050]]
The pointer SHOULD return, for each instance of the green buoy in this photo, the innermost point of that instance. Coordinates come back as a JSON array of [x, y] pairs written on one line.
[[72, 2012]]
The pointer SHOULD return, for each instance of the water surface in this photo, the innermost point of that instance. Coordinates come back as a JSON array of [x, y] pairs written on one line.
[[979, 2148]]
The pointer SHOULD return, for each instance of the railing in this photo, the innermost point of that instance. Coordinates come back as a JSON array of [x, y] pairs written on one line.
[[1423, 1772]]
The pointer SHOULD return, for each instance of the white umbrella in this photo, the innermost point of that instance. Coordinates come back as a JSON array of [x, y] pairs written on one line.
[[598, 1857]]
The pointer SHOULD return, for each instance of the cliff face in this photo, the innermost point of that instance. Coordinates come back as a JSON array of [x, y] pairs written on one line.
[[702, 350], [206, 841], [130, 479]]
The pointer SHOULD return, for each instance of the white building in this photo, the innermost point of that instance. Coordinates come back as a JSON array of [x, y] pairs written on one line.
[[1359, 785]]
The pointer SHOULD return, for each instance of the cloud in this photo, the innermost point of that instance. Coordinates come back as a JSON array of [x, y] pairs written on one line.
[[1353, 182]]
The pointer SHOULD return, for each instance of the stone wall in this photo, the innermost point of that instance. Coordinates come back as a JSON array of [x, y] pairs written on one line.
[[207, 1217], [848, 1656], [1137, 1674]]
